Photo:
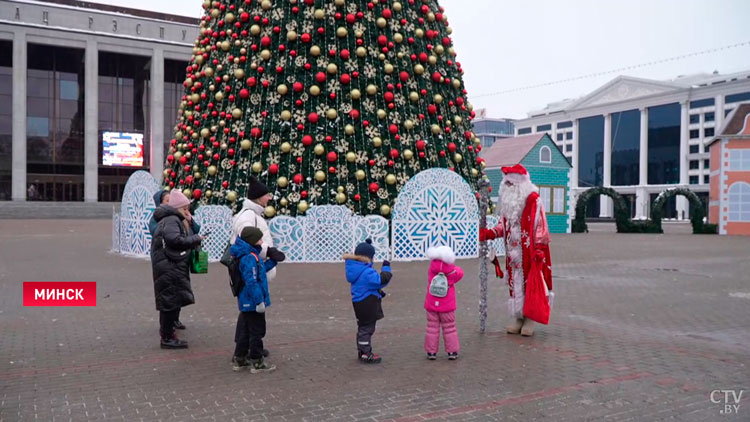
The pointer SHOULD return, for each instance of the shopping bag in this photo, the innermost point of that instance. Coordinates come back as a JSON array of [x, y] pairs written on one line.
[[199, 262], [536, 303]]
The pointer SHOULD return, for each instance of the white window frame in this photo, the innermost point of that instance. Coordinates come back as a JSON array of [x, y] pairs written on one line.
[[548, 201], [558, 200], [739, 202], [549, 151], [739, 160]]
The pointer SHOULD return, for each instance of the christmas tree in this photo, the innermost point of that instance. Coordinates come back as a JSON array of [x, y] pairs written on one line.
[[325, 101]]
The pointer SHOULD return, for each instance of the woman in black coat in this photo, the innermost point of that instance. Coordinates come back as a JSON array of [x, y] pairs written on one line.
[[171, 249]]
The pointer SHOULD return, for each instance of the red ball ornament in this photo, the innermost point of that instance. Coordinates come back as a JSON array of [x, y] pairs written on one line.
[[332, 170], [170, 158], [321, 77], [189, 180], [307, 140], [251, 81], [345, 54], [332, 157], [382, 40], [197, 194], [393, 129], [225, 184], [265, 41], [273, 169], [421, 154], [421, 145], [452, 147], [298, 179], [432, 109], [313, 118], [299, 87], [404, 76], [354, 114], [303, 194], [371, 163], [345, 79], [436, 77], [183, 160], [255, 132], [374, 187], [442, 154], [306, 38], [357, 197], [389, 97]]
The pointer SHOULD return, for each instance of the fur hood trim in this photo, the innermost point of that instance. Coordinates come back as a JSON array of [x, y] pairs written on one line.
[[442, 253], [360, 258]]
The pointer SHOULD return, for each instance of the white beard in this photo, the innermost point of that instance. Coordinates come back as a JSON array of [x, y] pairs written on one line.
[[513, 200]]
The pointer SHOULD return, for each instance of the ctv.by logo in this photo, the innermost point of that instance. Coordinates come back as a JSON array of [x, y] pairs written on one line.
[[730, 399]]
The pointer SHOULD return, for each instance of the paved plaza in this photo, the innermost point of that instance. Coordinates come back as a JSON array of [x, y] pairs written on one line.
[[644, 328]]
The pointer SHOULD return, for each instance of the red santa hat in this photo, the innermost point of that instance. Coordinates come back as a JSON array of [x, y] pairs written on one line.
[[516, 174]]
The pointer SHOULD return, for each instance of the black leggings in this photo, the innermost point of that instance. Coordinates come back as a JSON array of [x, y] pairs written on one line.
[[166, 322]]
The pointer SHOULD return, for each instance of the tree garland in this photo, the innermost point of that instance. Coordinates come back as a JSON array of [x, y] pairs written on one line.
[[697, 213], [622, 216]]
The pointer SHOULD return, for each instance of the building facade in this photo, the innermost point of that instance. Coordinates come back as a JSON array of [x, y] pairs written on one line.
[[490, 130], [548, 168], [72, 70], [729, 205], [641, 136]]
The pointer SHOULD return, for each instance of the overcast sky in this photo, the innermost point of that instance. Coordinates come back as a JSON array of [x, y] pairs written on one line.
[[505, 45]]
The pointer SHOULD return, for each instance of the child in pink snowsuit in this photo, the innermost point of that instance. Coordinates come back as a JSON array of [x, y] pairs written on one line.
[[441, 311]]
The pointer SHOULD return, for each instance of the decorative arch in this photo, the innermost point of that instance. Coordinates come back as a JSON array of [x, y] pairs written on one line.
[[135, 212], [622, 214], [697, 213]]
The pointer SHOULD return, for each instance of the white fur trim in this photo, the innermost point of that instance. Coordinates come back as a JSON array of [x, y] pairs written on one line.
[[443, 253], [517, 178]]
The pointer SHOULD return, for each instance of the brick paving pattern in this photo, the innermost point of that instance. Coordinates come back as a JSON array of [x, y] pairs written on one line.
[[644, 328]]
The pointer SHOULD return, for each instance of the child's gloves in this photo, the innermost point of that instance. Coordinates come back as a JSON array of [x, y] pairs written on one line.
[[382, 293], [275, 254], [261, 308], [386, 263]]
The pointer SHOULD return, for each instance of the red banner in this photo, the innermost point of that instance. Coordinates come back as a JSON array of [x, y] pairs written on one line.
[[59, 293]]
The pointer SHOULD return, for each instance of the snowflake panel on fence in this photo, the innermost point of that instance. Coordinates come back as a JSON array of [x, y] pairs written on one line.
[[376, 228], [497, 245], [329, 230], [135, 212], [288, 236], [436, 207], [115, 232], [216, 220]]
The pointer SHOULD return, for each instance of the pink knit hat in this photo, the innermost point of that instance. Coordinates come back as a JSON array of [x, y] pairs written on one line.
[[178, 199]]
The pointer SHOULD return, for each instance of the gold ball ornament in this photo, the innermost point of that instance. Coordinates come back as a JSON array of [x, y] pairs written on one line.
[[360, 175], [356, 94], [177, 155], [219, 96], [319, 149], [266, 4], [390, 179], [408, 154], [286, 147], [371, 89], [439, 49], [474, 172], [341, 32], [269, 212], [302, 206], [339, 3], [456, 83], [187, 192], [435, 129], [349, 130], [255, 29], [257, 167], [381, 22], [332, 114], [457, 120], [212, 170], [397, 6], [265, 55], [236, 113], [351, 157], [209, 72], [382, 114], [315, 51], [433, 61], [291, 36], [388, 68], [286, 115], [209, 193], [320, 176], [196, 168], [282, 89], [341, 198], [239, 73], [458, 158], [314, 90], [340, 189], [398, 38], [284, 202], [438, 98], [205, 133], [246, 144], [166, 173], [361, 52], [413, 96], [408, 124], [226, 45], [282, 182], [319, 14], [419, 33], [419, 69], [195, 98], [377, 142], [385, 210], [332, 68]]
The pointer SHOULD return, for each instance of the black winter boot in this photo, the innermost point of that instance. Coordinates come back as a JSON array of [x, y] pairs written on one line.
[[172, 342]]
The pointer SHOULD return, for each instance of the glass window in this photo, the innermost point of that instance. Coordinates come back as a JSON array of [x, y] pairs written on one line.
[[524, 130], [664, 144], [735, 98], [694, 149], [564, 125], [125, 79], [695, 134], [568, 147], [707, 132], [590, 151], [569, 135], [739, 160], [545, 155], [694, 164], [545, 192], [695, 118], [702, 103], [693, 180], [707, 164], [544, 128], [558, 204], [55, 123], [706, 179], [709, 117], [560, 136], [626, 146], [6, 119]]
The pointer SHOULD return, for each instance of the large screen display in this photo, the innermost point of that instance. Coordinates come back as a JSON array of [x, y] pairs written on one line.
[[122, 149]]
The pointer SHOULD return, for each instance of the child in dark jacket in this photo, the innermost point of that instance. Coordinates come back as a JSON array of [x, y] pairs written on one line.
[[366, 289], [252, 300]]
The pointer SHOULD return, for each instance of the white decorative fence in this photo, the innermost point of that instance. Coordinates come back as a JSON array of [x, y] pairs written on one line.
[[497, 245], [436, 207]]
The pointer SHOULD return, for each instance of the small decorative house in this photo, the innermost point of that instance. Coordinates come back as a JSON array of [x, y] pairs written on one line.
[[729, 194], [547, 166]]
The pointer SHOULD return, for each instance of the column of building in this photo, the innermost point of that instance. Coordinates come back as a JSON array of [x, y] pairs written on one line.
[[91, 124], [20, 63], [683, 206], [606, 204], [642, 198], [157, 114]]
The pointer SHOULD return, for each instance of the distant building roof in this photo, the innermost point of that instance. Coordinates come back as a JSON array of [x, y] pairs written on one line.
[[511, 151], [734, 123], [126, 11]]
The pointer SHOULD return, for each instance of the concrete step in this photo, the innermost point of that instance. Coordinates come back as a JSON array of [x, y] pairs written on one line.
[[57, 210]]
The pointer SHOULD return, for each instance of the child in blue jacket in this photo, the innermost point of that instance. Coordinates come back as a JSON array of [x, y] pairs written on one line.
[[252, 300], [366, 289]]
